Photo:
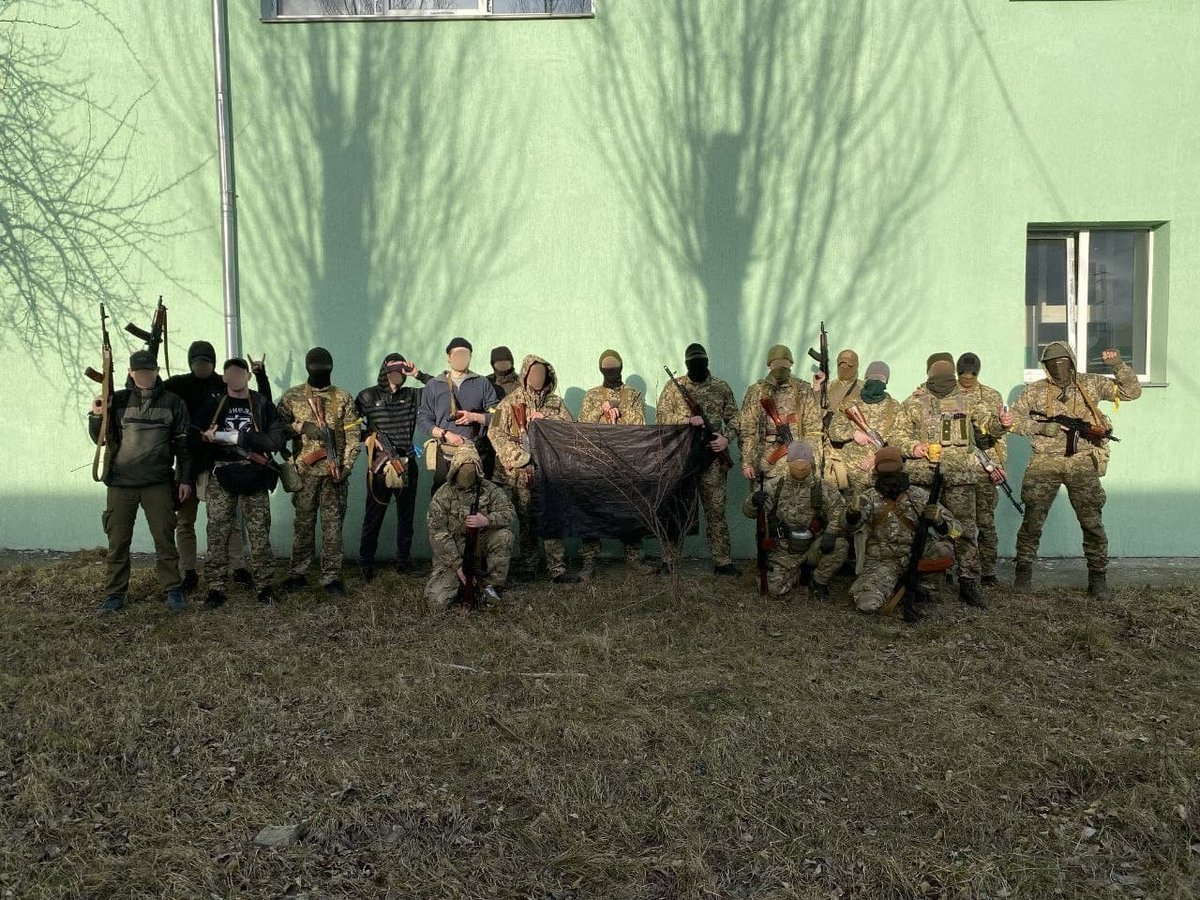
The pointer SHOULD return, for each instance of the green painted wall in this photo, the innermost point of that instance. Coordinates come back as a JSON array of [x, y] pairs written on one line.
[[724, 172]]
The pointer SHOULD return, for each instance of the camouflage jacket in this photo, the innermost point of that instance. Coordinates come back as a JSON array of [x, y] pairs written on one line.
[[840, 392], [450, 506], [626, 399], [1043, 397], [890, 526], [712, 395], [340, 415], [991, 398], [926, 419], [797, 405], [795, 504], [507, 433], [881, 416]]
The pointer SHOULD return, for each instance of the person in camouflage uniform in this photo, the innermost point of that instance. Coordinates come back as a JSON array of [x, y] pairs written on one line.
[[808, 536], [534, 399], [231, 428], [846, 388], [1066, 391], [763, 446], [715, 398], [889, 515], [880, 411], [986, 492], [323, 481], [940, 413], [448, 519], [612, 403]]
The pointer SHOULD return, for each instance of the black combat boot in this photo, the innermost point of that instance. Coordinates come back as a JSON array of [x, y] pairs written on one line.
[[214, 599], [968, 593], [368, 571], [1023, 580], [989, 581], [727, 569], [1098, 585], [190, 581], [567, 578], [335, 588], [243, 577], [819, 591], [266, 595], [295, 582]]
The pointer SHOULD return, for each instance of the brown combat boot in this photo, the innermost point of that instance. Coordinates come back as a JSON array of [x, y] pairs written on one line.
[[1023, 582], [1098, 586]]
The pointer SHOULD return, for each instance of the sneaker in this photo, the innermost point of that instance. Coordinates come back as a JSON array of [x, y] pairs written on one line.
[[214, 599], [335, 588], [294, 582], [175, 601], [368, 572], [243, 577], [727, 569], [266, 595], [111, 604], [190, 581], [567, 578]]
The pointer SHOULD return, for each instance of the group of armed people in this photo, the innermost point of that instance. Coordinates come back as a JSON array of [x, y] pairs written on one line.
[[838, 471]]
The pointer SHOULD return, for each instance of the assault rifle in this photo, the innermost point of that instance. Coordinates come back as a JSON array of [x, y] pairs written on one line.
[[782, 429], [329, 445], [762, 534], [710, 433], [1077, 428], [157, 335], [821, 357], [470, 560], [855, 415], [101, 461], [994, 472], [907, 590]]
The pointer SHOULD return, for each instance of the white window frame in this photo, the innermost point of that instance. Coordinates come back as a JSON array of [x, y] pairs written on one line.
[[1078, 247], [482, 10]]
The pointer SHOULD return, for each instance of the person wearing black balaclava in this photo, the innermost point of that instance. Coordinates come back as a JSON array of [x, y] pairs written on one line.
[[715, 399], [612, 402], [886, 516], [504, 377], [389, 417], [1068, 392], [937, 426], [986, 492], [323, 475]]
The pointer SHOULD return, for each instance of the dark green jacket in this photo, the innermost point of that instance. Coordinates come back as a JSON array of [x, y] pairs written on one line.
[[149, 433]]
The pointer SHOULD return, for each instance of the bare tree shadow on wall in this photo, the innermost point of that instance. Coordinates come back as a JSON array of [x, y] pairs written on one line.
[[75, 224], [773, 153]]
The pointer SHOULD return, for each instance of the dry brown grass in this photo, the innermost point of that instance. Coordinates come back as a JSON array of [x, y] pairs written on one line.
[[712, 745]]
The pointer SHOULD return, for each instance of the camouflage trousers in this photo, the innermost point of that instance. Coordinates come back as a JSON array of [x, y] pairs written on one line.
[[1039, 488], [185, 531], [495, 551], [222, 509], [986, 496], [712, 499], [960, 500], [590, 553], [556, 554], [319, 492], [882, 572], [783, 567]]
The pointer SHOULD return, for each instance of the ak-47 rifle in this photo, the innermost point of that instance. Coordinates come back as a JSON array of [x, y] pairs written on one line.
[[389, 455], [762, 534], [157, 335], [710, 433], [329, 445], [821, 358], [1077, 428], [907, 590], [782, 429], [993, 469], [470, 560], [855, 415], [101, 461]]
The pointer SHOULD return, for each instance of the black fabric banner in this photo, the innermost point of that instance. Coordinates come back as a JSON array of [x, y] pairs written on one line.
[[615, 481]]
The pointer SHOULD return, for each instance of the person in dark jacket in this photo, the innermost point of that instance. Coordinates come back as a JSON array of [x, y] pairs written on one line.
[[202, 383], [233, 438], [147, 436], [456, 408], [389, 417]]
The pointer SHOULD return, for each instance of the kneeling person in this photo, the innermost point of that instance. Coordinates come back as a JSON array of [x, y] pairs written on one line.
[[449, 517], [805, 539], [891, 514]]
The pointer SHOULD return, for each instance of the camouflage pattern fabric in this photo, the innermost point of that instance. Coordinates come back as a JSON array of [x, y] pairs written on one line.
[[860, 459], [633, 412], [340, 415], [927, 419], [222, 508], [791, 507], [319, 493], [712, 500], [1039, 488], [797, 405]]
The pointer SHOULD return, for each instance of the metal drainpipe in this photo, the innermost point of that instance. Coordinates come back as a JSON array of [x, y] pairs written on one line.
[[229, 249]]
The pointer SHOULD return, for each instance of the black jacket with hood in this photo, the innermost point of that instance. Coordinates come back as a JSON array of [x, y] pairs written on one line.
[[392, 412]]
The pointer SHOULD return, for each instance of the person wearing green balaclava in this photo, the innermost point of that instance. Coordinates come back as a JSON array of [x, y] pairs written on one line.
[[1067, 392], [776, 410], [873, 407], [937, 429]]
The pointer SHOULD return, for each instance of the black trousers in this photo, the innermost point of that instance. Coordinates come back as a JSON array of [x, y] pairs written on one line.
[[406, 502]]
